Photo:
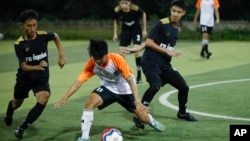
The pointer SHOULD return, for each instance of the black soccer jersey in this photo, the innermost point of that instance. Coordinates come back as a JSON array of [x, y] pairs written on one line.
[[165, 35], [33, 52], [130, 20]]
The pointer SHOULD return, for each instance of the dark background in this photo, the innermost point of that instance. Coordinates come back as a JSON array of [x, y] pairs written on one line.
[[52, 10]]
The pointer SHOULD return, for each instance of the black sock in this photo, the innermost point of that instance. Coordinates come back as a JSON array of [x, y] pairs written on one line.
[[149, 95], [205, 47], [10, 110], [34, 113], [138, 65]]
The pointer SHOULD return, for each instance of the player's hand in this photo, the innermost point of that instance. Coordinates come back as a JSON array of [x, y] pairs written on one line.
[[61, 62], [42, 65], [115, 38], [174, 53], [217, 21], [195, 23], [129, 50], [141, 108], [60, 103]]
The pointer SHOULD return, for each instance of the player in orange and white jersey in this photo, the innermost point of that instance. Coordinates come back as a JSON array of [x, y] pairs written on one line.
[[117, 85], [206, 9]]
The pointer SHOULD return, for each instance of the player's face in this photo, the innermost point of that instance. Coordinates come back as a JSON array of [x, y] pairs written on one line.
[[30, 27], [102, 61], [125, 5], [176, 14]]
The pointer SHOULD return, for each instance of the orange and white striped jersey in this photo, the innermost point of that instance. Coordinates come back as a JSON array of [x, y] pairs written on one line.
[[207, 11], [113, 75]]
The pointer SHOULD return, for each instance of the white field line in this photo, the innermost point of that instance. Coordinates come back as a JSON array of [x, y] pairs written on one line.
[[163, 99]]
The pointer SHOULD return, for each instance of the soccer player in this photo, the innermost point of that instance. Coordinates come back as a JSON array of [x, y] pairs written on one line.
[[33, 72], [129, 14], [117, 85], [206, 9], [156, 63]]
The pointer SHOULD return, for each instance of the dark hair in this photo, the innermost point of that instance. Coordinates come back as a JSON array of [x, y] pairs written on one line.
[[28, 14], [121, 0], [180, 3], [97, 48]]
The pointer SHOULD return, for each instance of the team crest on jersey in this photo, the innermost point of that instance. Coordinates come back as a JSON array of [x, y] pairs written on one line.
[[167, 34], [27, 49]]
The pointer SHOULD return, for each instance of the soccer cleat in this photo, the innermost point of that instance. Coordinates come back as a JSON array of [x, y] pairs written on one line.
[[157, 126], [208, 55], [138, 123], [138, 81], [186, 117], [8, 120], [81, 139], [19, 133]]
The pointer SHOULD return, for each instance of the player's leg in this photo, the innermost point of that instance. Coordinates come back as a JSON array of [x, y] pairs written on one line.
[[137, 38], [20, 92], [175, 79], [12, 106], [148, 119], [100, 97], [204, 42], [41, 91], [127, 101], [154, 80], [138, 66]]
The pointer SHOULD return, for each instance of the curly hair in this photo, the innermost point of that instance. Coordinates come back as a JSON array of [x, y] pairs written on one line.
[[28, 14]]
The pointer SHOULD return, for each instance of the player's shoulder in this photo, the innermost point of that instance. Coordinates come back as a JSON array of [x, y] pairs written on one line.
[[134, 7], [165, 20], [117, 9], [19, 40], [41, 32]]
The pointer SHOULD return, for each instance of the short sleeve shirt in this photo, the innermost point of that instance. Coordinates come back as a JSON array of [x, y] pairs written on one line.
[[113, 75], [207, 11], [130, 20], [33, 52], [165, 35]]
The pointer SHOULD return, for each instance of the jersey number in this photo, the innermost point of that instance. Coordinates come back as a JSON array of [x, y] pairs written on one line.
[[99, 89]]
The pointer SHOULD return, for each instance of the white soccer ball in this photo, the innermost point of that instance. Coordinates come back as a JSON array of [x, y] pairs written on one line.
[[111, 134], [1, 36]]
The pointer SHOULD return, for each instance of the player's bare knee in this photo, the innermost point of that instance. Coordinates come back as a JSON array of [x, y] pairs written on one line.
[[17, 103]]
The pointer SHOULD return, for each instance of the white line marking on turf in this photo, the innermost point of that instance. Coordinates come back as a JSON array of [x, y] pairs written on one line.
[[164, 100]]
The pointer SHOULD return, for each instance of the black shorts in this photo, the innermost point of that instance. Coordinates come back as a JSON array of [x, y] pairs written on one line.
[[127, 36], [167, 76], [206, 29], [108, 97], [22, 88]]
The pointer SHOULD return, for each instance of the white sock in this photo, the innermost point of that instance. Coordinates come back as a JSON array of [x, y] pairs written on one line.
[[87, 119], [151, 119]]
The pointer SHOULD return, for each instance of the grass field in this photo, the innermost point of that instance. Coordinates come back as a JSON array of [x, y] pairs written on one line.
[[216, 105]]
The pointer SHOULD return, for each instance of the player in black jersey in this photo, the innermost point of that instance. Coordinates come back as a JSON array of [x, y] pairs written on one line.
[[156, 63], [130, 14], [33, 73]]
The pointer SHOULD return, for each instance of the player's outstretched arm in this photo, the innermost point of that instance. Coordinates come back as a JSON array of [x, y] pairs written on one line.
[[151, 44], [76, 85], [139, 106], [135, 49]]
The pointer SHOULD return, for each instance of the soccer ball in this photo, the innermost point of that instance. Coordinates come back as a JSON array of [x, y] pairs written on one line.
[[111, 134], [1, 36]]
